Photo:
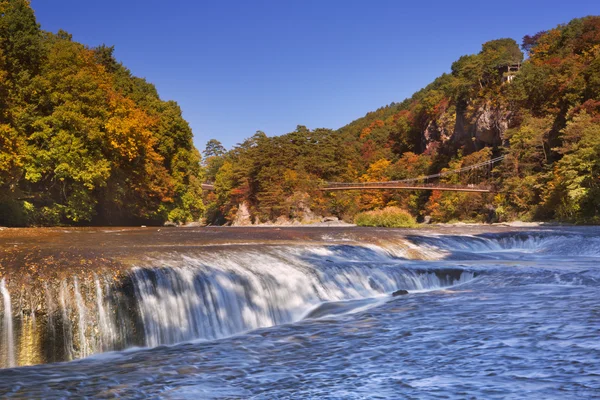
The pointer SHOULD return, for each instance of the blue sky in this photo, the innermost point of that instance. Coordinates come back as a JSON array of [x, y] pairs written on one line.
[[236, 67]]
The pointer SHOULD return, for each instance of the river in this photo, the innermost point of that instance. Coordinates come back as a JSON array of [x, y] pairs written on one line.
[[263, 313]]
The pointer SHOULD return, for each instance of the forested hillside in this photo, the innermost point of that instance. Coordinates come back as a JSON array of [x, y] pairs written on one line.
[[82, 140], [543, 113]]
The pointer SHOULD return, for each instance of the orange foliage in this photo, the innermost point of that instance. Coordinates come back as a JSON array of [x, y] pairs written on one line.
[[374, 125]]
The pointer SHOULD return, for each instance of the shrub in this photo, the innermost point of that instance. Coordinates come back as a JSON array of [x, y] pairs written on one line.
[[389, 217]]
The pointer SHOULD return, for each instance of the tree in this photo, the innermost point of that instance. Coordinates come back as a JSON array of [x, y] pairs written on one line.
[[83, 141], [214, 148], [529, 42], [577, 174], [20, 40]]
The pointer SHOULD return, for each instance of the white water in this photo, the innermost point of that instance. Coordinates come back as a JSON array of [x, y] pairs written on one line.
[[8, 328], [564, 245], [208, 295], [213, 296], [66, 321], [81, 321], [105, 324]]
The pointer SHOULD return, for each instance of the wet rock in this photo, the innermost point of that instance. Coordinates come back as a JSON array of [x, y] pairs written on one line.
[[333, 308], [400, 292]]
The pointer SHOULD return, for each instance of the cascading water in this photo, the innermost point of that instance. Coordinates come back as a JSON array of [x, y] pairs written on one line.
[[199, 301], [81, 320], [178, 298], [207, 295], [492, 246], [8, 326], [105, 323], [66, 322], [497, 313]]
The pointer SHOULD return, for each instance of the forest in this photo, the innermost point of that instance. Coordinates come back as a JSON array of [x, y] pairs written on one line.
[[85, 142], [82, 140], [537, 104]]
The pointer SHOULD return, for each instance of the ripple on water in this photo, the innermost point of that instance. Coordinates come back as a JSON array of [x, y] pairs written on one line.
[[519, 330]]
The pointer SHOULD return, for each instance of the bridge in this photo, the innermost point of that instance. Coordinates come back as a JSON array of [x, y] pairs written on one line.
[[422, 186], [473, 174]]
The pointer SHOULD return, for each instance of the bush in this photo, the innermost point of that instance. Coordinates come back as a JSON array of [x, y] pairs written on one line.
[[389, 217]]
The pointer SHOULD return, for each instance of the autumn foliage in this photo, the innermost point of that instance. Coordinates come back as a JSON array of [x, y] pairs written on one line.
[[82, 140], [542, 113]]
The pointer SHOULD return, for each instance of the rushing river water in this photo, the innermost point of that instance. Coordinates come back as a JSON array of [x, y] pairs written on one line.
[[500, 314]]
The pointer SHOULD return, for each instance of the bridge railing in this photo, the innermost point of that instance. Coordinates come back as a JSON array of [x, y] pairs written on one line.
[[400, 184], [423, 180]]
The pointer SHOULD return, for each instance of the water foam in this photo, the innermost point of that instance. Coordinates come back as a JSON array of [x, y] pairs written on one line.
[[209, 295], [9, 342]]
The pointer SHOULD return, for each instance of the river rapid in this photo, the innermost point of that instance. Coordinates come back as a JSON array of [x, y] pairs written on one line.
[[263, 313]]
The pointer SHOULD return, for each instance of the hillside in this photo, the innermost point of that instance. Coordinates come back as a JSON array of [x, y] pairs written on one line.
[[543, 113], [82, 140]]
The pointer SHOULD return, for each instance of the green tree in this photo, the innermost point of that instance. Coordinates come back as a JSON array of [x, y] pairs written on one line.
[[575, 189]]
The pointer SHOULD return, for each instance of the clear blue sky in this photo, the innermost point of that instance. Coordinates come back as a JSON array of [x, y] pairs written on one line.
[[236, 67]]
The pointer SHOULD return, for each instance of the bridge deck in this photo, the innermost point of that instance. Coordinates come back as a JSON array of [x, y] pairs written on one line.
[[448, 188], [414, 183], [383, 186]]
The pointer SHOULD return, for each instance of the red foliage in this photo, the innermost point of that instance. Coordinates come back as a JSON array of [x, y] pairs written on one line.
[[368, 151], [591, 34], [592, 107], [441, 107]]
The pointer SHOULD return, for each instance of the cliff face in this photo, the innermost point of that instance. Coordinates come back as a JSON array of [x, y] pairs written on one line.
[[491, 125], [467, 108], [486, 126], [542, 114], [442, 130]]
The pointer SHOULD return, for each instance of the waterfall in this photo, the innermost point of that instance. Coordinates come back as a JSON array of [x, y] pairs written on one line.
[[66, 321], [493, 245], [208, 297], [8, 326], [105, 325], [81, 321], [203, 295]]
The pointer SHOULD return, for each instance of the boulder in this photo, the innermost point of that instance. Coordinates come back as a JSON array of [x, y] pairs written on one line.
[[400, 292], [282, 220], [242, 217], [196, 224]]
